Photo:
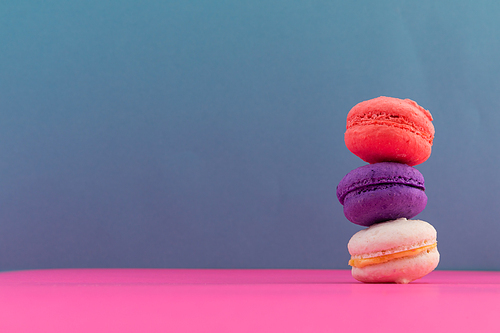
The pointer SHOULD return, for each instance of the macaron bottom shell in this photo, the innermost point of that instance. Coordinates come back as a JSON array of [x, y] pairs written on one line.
[[375, 142], [402, 270], [383, 203]]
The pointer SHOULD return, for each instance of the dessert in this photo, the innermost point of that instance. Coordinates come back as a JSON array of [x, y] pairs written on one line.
[[398, 251], [381, 192], [386, 129], [392, 135]]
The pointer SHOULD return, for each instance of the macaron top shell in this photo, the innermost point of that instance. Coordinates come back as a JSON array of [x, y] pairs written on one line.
[[403, 113], [387, 129], [384, 173], [390, 237]]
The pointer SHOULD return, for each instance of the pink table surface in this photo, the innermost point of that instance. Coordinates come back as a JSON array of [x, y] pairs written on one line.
[[180, 300]]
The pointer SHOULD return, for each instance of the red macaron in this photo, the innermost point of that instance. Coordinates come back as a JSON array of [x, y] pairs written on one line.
[[387, 129]]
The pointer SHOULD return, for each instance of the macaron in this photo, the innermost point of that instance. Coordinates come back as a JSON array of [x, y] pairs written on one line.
[[397, 251], [380, 192], [386, 129]]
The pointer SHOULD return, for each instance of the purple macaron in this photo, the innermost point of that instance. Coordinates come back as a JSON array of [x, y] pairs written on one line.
[[380, 192]]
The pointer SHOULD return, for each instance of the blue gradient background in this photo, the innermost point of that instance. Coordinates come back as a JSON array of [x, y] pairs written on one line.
[[210, 133]]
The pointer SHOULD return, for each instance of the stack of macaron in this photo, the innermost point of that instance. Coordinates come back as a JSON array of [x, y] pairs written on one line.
[[392, 135]]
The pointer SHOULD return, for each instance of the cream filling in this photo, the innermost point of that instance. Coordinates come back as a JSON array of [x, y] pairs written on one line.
[[362, 262]]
